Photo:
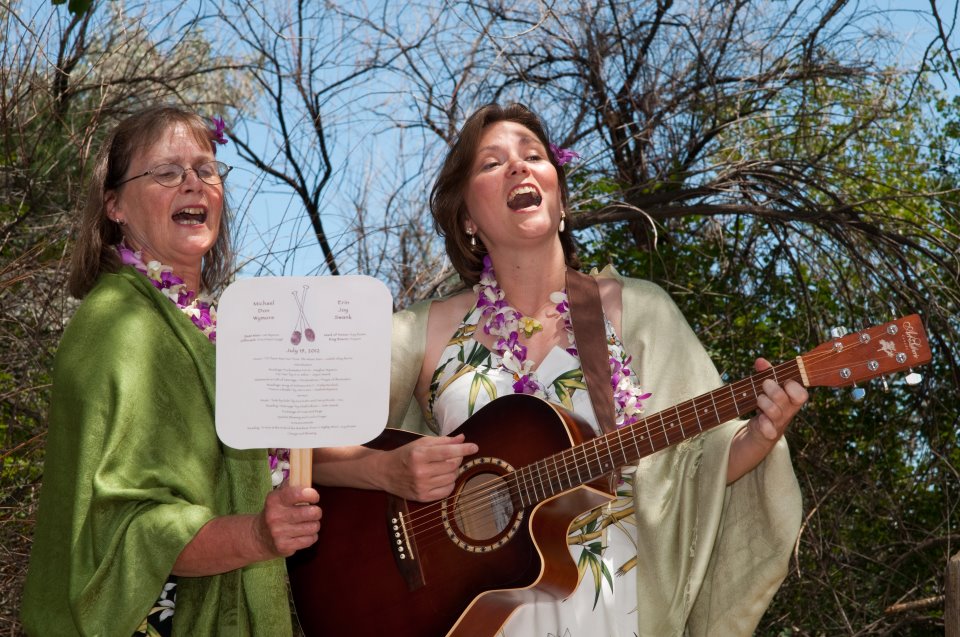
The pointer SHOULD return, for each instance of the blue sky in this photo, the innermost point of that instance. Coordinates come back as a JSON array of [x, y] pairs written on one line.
[[271, 217]]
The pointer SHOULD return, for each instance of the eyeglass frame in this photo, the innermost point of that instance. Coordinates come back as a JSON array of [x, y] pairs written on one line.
[[183, 174]]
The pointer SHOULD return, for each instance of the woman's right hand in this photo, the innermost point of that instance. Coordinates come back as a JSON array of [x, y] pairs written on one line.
[[425, 469], [290, 520]]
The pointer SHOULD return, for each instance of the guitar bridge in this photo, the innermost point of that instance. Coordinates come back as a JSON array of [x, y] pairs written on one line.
[[404, 553]]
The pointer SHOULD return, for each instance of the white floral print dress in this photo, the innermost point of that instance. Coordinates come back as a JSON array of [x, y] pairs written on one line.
[[603, 542]]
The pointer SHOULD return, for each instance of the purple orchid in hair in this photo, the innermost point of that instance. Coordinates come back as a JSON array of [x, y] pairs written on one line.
[[219, 126], [563, 155]]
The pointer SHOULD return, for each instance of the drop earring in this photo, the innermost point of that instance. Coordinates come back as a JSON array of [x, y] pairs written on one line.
[[473, 239], [563, 221]]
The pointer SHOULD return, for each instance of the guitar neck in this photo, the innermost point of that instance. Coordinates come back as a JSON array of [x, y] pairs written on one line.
[[627, 445]]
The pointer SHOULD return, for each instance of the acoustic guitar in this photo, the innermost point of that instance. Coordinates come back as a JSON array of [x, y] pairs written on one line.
[[462, 565]]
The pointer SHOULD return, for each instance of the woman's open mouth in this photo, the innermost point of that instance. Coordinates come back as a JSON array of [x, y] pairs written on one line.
[[190, 216], [523, 197]]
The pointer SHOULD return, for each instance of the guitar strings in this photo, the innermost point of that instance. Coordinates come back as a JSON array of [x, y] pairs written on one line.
[[549, 475], [545, 479], [472, 504], [476, 499]]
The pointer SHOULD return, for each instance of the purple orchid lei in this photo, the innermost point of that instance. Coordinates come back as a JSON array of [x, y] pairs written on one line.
[[199, 309], [219, 126], [507, 324], [563, 155], [202, 311], [279, 465]]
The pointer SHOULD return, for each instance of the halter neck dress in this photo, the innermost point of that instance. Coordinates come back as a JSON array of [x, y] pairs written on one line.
[[468, 376]]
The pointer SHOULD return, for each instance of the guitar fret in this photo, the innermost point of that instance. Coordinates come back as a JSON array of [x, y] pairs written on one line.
[[601, 463], [516, 480], [613, 463], [745, 402], [598, 452], [633, 436], [567, 463], [536, 467], [548, 482], [676, 408], [563, 472], [569, 466], [560, 465], [527, 484], [737, 398], [623, 450], [545, 478], [663, 425], [715, 410], [576, 465], [576, 468]]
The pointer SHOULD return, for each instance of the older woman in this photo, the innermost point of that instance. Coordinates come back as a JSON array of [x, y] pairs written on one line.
[[700, 535], [147, 524]]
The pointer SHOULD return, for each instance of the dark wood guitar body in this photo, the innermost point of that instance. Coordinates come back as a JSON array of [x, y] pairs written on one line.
[[351, 584]]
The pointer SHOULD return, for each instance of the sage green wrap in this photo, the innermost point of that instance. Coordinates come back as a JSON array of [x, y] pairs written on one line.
[[710, 556], [133, 470]]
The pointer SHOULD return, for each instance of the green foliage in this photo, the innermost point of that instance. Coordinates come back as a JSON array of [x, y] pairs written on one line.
[[879, 477]]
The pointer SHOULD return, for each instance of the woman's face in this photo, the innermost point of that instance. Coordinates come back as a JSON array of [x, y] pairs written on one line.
[[513, 194], [176, 226]]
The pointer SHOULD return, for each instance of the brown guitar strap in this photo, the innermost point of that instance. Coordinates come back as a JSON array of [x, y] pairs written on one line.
[[586, 315]]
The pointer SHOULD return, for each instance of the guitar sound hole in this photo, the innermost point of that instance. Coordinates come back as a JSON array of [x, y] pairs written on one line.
[[483, 509], [480, 516]]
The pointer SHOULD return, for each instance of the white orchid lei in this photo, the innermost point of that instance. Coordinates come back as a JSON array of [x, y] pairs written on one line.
[[203, 312], [199, 309], [507, 324]]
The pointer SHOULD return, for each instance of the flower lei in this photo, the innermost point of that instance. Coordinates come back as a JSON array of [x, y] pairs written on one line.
[[199, 309], [203, 313], [279, 465], [507, 324]]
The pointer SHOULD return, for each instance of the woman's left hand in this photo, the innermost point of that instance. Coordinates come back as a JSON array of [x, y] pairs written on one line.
[[776, 407]]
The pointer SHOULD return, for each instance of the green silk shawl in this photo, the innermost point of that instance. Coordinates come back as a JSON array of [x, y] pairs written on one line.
[[133, 470], [710, 556]]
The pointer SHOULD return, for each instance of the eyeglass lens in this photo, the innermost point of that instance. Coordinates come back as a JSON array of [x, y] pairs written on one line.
[[211, 172]]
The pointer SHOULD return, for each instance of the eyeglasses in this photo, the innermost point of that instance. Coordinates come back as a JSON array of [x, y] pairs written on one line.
[[172, 175]]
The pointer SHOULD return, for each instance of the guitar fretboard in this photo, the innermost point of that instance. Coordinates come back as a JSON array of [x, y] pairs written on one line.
[[602, 455]]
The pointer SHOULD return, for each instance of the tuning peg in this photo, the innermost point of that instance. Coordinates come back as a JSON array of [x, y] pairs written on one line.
[[913, 378], [838, 331], [858, 393]]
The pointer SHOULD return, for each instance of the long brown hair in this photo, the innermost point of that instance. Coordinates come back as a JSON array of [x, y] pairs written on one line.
[[93, 252], [447, 197]]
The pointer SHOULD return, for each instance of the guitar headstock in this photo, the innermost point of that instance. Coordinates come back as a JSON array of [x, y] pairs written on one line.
[[865, 354]]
